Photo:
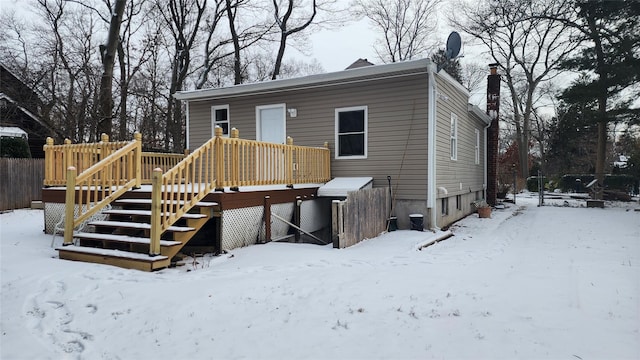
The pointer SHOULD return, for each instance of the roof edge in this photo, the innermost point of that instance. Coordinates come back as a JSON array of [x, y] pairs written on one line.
[[342, 75], [479, 113]]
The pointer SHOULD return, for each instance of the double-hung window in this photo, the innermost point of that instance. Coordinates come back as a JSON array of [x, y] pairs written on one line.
[[220, 117], [351, 132], [454, 136]]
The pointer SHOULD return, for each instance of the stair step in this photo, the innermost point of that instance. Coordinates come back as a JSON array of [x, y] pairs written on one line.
[[174, 202], [135, 225], [119, 258], [122, 239], [148, 213]]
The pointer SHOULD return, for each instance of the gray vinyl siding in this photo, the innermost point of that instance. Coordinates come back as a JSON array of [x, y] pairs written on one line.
[[450, 173], [462, 176], [397, 126]]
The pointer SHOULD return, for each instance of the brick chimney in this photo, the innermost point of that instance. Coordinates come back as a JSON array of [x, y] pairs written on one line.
[[493, 132]]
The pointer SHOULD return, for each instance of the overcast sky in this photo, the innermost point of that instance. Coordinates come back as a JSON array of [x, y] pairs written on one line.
[[337, 48]]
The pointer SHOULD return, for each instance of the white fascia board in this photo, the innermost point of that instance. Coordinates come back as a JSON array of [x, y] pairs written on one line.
[[445, 76], [339, 76], [479, 113]]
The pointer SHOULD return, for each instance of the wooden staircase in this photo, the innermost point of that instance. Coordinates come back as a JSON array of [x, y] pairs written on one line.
[[123, 239]]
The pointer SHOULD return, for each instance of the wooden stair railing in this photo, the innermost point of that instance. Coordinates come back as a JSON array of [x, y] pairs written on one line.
[[229, 162], [178, 190], [100, 184]]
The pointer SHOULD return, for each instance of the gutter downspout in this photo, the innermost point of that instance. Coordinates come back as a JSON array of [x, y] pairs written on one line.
[[431, 147]]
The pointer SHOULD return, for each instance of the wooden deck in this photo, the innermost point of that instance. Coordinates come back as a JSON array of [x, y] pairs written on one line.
[[183, 197], [123, 240]]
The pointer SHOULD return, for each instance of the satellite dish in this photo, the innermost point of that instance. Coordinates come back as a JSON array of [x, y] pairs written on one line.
[[453, 45]]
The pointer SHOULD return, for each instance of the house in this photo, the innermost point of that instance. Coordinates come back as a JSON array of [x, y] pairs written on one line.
[[19, 109], [402, 120]]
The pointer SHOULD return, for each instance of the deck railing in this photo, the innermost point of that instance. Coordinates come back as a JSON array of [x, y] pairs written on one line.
[[241, 162], [154, 160], [96, 174], [82, 156], [100, 184], [229, 162]]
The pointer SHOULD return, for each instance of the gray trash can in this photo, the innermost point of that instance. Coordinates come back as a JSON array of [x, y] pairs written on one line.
[[417, 222], [392, 223]]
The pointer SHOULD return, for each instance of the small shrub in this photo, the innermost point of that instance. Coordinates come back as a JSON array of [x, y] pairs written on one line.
[[14, 147]]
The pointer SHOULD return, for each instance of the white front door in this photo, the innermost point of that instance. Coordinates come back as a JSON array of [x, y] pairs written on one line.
[[271, 123]]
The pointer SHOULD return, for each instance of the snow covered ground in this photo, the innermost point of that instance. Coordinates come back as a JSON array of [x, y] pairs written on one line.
[[531, 282]]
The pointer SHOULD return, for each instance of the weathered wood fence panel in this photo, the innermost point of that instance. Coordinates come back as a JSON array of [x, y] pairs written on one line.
[[20, 182], [363, 215]]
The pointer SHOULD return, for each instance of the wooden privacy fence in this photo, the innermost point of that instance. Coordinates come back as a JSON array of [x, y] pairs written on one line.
[[363, 215], [20, 182]]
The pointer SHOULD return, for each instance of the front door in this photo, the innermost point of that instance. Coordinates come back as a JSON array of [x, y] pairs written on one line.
[[270, 123]]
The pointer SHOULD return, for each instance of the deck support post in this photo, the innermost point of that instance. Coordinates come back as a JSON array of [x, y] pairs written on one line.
[[267, 219], [334, 223], [297, 217], [70, 205], [156, 208]]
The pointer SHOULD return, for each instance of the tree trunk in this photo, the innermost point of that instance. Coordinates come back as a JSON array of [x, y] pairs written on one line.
[[237, 73], [108, 53], [124, 92], [278, 64], [601, 150]]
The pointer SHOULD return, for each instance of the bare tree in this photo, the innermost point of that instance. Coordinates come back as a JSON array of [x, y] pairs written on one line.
[[108, 54], [183, 18], [528, 49], [132, 55], [288, 25], [474, 76], [407, 26], [65, 50]]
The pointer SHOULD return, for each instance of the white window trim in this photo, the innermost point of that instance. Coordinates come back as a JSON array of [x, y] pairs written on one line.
[[213, 119], [283, 106], [477, 149], [453, 144], [366, 131]]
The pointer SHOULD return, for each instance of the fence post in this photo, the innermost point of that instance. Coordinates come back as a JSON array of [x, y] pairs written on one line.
[[219, 159], [289, 164], [138, 160], [69, 206], [156, 202]]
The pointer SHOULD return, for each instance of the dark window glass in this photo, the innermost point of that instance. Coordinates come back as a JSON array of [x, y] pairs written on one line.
[[351, 121], [221, 115], [351, 145]]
